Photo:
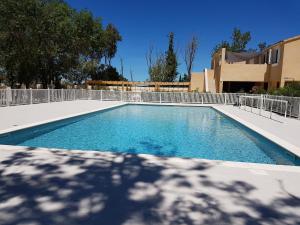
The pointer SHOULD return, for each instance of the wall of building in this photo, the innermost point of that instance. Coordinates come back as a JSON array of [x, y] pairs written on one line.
[[286, 69], [218, 60], [244, 72], [197, 82], [274, 70], [291, 61], [211, 81]]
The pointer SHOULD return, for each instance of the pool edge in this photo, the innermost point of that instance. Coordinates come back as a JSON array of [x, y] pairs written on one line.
[[279, 141], [282, 143], [30, 125]]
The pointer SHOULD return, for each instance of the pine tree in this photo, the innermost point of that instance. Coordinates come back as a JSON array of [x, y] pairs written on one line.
[[171, 61]]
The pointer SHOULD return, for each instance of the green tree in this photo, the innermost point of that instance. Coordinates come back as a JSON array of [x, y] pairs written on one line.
[[157, 70], [44, 41], [239, 41], [223, 44], [107, 72], [112, 37], [171, 61]]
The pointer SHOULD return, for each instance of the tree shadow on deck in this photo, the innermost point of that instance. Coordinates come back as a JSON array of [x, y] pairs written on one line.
[[61, 187]]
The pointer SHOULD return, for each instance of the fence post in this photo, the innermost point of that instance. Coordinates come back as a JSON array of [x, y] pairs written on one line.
[[299, 112], [286, 108], [160, 97], [202, 99], [30, 90], [271, 109], [225, 102], [101, 97], [261, 104], [121, 96], [62, 94], [74, 94], [7, 96], [49, 99]]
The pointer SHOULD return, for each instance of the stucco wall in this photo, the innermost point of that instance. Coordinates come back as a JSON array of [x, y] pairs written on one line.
[[244, 72], [291, 61], [211, 81], [197, 82]]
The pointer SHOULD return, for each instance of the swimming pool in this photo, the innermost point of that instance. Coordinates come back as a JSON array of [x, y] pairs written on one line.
[[189, 132]]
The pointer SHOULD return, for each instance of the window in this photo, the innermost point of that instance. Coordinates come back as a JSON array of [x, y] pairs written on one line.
[[267, 58], [264, 59], [275, 56]]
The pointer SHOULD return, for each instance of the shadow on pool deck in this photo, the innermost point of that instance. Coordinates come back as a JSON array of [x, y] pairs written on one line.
[[60, 187]]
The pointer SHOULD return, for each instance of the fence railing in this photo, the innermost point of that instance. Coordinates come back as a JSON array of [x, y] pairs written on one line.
[[263, 103], [10, 97]]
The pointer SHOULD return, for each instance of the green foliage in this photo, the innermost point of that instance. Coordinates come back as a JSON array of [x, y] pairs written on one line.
[[184, 78], [291, 89], [46, 41], [163, 68], [259, 90], [238, 43], [157, 70], [239, 40], [171, 61], [112, 37], [107, 72], [223, 44]]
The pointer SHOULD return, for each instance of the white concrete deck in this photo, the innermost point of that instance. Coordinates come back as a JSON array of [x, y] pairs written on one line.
[[74, 187], [283, 131], [17, 117], [41, 186]]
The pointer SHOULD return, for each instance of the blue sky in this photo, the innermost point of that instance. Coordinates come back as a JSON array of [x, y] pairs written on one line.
[[143, 23]]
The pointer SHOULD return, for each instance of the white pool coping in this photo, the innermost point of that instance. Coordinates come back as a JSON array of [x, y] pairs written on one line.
[[233, 164], [286, 145], [279, 141], [21, 127]]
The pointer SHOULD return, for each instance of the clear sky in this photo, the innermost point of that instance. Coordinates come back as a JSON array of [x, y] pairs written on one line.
[[147, 22]]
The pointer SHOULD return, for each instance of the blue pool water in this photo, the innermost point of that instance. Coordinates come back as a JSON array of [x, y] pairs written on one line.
[[192, 132]]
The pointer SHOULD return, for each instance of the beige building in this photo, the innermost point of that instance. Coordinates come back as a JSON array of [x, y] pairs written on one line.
[[272, 68]]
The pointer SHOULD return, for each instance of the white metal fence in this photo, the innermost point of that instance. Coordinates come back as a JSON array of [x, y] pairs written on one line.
[[10, 97], [263, 103]]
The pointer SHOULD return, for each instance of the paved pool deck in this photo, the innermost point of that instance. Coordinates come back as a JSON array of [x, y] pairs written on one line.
[[281, 130], [39, 186], [48, 186], [17, 117]]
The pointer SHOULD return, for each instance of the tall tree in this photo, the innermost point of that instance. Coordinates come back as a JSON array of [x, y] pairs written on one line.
[[43, 41], [156, 65], [190, 54], [112, 37], [239, 41], [158, 69], [171, 61]]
